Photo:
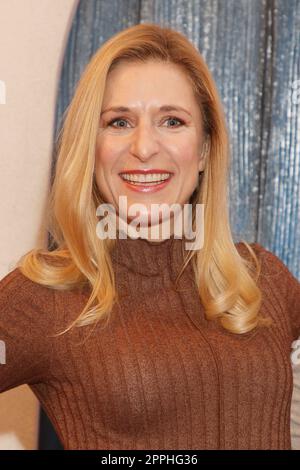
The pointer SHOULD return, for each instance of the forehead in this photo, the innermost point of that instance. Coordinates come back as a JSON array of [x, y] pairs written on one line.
[[148, 81]]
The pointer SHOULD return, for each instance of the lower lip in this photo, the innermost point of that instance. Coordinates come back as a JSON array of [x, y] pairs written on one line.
[[144, 188]]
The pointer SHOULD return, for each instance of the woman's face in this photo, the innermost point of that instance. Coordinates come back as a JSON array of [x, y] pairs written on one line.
[[148, 136]]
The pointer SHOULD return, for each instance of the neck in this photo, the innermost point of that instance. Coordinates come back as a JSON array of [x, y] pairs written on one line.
[[148, 257], [155, 233]]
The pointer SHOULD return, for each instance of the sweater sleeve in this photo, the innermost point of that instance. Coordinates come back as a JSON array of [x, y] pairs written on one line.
[[286, 284], [25, 313]]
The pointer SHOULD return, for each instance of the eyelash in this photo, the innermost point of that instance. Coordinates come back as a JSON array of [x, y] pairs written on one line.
[[124, 119]]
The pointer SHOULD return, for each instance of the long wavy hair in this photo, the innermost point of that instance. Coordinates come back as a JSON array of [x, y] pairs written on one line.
[[227, 282]]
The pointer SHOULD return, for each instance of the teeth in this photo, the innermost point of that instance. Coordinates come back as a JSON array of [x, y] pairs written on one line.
[[150, 178]]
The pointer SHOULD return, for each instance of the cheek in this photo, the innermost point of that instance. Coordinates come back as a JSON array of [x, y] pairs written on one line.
[[105, 156], [188, 160]]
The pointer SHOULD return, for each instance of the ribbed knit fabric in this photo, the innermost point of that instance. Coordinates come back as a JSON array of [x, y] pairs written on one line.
[[159, 375]]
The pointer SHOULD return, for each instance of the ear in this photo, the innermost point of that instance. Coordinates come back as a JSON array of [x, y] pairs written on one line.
[[204, 154]]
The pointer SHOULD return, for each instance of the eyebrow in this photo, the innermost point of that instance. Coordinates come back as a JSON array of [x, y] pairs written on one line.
[[165, 108]]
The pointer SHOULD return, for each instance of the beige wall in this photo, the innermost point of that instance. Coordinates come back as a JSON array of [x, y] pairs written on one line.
[[33, 35]]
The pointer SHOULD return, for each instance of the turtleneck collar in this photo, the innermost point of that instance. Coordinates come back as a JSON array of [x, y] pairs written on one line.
[[150, 258]]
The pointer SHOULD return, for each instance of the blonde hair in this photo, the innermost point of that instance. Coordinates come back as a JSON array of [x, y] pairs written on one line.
[[77, 256]]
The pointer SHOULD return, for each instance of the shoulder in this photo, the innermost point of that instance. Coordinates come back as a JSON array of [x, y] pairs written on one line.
[[20, 294], [26, 325], [271, 264], [278, 284], [274, 275], [15, 281], [39, 306]]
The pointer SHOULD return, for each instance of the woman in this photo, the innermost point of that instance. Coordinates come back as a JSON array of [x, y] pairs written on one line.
[[138, 343]]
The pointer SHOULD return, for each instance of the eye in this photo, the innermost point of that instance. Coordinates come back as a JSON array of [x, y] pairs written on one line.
[[116, 120], [169, 118], [173, 118]]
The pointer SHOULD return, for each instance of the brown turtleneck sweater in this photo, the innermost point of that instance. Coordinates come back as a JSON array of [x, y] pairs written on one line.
[[159, 376]]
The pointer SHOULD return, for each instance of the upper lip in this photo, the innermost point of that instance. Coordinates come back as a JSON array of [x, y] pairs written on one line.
[[144, 172]]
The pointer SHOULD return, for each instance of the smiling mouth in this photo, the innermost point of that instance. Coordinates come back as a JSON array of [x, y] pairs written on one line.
[[149, 183], [146, 184], [151, 179]]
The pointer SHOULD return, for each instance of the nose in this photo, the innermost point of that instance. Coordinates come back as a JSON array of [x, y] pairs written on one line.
[[144, 143]]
